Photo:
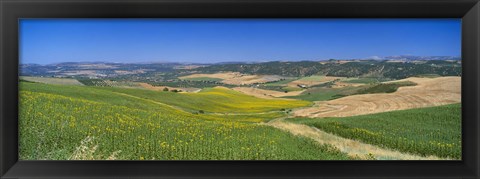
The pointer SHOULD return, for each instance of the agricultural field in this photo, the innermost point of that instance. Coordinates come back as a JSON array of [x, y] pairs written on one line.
[[318, 94], [47, 80], [282, 82], [216, 100], [423, 131], [263, 93], [186, 115], [365, 80], [426, 93], [330, 93], [62, 123], [109, 83], [232, 78], [240, 89], [205, 79], [385, 87], [313, 80]]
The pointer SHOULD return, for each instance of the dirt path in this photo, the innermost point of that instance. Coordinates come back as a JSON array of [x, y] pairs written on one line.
[[351, 147], [428, 92]]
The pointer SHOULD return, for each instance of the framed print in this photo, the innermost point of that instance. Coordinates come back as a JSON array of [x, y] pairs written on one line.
[[239, 89]]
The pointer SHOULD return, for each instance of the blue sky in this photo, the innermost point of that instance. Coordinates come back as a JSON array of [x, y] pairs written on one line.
[[45, 41]]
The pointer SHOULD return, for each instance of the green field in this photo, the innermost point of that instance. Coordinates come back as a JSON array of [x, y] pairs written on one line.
[[312, 78], [290, 88], [428, 76], [59, 122], [107, 83], [204, 79], [47, 80], [424, 131], [365, 80], [385, 87], [213, 100], [218, 100], [325, 93], [281, 82]]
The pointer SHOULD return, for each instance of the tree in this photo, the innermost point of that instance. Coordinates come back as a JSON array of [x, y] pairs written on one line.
[[165, 89]]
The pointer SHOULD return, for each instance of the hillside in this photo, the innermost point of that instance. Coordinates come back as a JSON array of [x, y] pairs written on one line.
[[90, 123], [437, 132], [427, 92], [364, 68]]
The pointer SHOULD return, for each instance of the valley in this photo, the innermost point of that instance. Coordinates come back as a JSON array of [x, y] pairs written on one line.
[[309, 110]]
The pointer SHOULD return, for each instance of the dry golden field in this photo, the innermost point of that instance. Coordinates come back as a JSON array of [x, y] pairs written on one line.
[[428, 92]]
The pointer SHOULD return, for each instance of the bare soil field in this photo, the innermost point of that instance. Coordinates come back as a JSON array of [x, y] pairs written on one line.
[[311, 81], [267, 94], [160, 88], [235, 78], [428, 92]]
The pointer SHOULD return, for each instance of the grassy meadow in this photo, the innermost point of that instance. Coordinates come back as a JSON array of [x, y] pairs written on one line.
[[424, 131], [239, 88], [204, 79], [117, 120], [84, 123]]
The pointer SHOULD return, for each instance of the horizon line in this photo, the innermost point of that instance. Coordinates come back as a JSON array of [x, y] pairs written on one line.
[[244, 61]]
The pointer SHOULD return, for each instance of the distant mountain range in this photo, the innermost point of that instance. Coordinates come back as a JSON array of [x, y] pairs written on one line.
[[414, 58], [397, 57], [395, 67]]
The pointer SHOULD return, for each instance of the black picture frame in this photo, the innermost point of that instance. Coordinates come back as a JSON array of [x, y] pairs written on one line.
[[12, 10]]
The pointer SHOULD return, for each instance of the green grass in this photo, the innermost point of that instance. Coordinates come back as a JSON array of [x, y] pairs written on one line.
[[191, 84], [385, 87], [48, 80], [59, 122], [424, 131], [366, 80], [312, 78], [220, 100], [428, 75], [289, 88], [280, 83], [204, 79], [93, 82], [210, 100], [324, 95]]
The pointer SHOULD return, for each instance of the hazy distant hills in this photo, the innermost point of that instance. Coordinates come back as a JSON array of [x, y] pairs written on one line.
[[415, 58], [344, 68], [94, 69], [395, 67]]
